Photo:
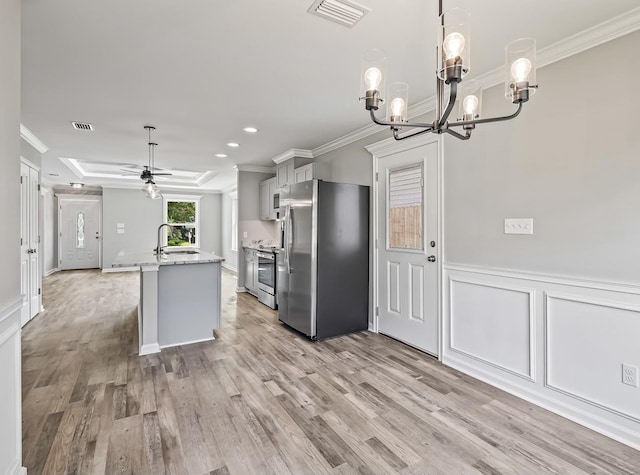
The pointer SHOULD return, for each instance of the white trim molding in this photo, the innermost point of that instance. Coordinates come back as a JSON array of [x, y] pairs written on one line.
[[111, 270], [581, 332], [606, 31], [51, 271], [32, 140], [254, 169], [230, 268], [29, 163], [292, 153]]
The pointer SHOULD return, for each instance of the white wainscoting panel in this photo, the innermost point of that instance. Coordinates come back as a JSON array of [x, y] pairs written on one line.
[[587, 341], [494, 324], [11, 392], [558, 342]]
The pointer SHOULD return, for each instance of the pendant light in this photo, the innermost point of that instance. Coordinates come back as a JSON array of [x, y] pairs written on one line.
[[454, 62], [150, 188]]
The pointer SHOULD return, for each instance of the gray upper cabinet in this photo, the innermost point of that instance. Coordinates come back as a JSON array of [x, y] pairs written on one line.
[[267, 190], [286, 171], [315, 170]]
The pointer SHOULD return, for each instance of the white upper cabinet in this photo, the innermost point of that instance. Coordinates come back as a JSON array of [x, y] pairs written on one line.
[[285, 174], [312, 171], [267, 192]]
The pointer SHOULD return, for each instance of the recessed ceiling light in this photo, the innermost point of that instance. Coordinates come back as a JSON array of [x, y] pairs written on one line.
[[233, 144], [221, 155], [76, 185], [251, 130]]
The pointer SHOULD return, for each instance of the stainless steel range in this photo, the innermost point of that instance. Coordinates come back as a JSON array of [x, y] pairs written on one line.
[[267, 278]]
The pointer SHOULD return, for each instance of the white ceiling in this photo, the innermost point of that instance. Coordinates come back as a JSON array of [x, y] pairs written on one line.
[[201, 70]]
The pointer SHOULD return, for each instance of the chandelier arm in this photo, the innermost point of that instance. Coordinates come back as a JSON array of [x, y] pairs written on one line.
[[453, 92], [399, 124], [397, 136], [457, 135], [489, 120]]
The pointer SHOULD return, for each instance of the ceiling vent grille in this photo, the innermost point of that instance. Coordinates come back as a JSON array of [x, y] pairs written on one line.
[[343, 12], [82, 126]]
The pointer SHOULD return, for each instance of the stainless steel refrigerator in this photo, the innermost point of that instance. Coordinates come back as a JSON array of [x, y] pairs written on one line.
[[323, 263]]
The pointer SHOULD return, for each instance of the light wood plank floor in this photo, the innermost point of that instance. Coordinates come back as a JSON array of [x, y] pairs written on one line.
[[261, 399]]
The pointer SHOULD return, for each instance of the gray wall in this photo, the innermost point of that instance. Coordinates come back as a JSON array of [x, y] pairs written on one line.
[[249, 214], [571, 162], [10, 390], [231, 256], [142, 216], [27, 151]]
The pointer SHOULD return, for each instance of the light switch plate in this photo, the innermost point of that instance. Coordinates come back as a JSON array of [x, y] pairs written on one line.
[[244, 235], [120, 231], [518, 226]]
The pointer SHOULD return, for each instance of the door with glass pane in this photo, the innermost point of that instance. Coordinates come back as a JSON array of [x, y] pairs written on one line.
[[79, 237], [407, 240]]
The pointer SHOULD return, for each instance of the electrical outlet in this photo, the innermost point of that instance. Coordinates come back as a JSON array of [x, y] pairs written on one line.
[[518, 226], [630, 375], [244, 235]]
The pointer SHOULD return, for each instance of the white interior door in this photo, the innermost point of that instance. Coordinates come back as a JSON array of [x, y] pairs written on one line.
[[29, 243], [407, 240], [79, 238]]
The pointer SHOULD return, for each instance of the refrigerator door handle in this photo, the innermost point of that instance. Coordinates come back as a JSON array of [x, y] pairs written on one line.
[[289, 237]]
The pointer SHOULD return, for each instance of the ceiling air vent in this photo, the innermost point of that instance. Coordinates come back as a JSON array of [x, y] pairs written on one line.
[[344, 12], [82, 126]]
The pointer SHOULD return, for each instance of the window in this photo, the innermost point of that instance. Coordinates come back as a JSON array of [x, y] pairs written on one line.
[[405, 208], [183, 213], [80, 231], [234, 224]]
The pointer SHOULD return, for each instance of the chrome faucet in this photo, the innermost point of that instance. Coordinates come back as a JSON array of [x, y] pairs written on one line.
[[160, 249]]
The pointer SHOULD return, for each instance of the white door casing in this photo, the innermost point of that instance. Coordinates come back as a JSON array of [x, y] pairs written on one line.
[[406, 281], [30, 277], [79, 231]]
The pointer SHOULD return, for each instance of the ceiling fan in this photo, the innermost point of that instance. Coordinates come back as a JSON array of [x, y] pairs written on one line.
[[150, 188]]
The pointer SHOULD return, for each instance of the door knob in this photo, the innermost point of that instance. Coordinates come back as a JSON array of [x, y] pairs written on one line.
[[431, 258]]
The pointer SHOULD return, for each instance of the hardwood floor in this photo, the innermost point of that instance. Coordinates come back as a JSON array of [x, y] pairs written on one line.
[[261, 399]]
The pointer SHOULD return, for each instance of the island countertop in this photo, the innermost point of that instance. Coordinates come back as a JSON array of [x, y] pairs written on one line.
[[148, 258]]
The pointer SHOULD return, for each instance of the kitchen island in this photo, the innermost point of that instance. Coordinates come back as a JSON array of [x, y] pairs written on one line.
[[180, 297]]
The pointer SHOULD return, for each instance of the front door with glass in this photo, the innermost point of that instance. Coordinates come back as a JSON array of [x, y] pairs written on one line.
[[79, 225]]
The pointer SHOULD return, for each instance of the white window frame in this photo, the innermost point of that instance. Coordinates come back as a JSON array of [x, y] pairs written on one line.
[[165, 211], [234, 224]]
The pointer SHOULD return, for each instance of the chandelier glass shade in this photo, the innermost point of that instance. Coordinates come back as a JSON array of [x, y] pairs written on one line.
[[453, 64], [151, 190]]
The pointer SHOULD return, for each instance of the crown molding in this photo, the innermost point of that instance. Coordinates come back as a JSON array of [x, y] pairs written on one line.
[[255, 169], [32, 140], [590, 38], [169, 190], [294, 152]]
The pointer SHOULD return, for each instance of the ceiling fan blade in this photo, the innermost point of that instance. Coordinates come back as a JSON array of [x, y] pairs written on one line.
[[133, 172], [161, 174]]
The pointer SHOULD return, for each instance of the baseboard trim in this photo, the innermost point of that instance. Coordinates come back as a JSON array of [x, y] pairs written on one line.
[[371, 329], [149, 349], [230, 268], [120, 269], [241, 290], [51, 271], [189, 342], [21, 471], [579, 416]]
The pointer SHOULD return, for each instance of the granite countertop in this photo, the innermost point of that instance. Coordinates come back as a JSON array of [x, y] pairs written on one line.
[[148, 258]]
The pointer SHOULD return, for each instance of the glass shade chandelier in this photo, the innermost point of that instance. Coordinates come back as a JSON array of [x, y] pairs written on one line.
[[454, 44]]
